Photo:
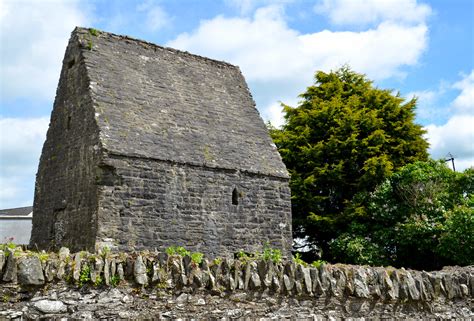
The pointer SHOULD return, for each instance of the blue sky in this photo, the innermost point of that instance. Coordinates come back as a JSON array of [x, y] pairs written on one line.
[[421, 48]]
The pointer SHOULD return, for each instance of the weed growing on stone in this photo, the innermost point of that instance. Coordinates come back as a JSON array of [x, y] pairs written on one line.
[[43, 257], [114, 281], [94, 32], [85, 275], [104, 252], [271, 254], [298, 260], [318, 263], [196, 257], [241, 254], [162, 285], [98, 281], [217, 261], [6, 298], [177, 250], [244, 257]]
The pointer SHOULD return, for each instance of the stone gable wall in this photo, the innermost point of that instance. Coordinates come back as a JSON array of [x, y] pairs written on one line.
[[66, 189], [155, 285]]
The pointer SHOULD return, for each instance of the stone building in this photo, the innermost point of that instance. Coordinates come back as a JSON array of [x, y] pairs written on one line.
[[150, 147]]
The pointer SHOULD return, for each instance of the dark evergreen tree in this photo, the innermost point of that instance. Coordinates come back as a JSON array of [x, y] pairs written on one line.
[[344, 138]]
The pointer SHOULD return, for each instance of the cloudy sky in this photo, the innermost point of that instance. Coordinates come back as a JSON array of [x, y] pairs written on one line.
[[422, 48]]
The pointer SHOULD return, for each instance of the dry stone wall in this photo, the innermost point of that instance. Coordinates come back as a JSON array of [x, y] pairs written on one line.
[[145, 285]]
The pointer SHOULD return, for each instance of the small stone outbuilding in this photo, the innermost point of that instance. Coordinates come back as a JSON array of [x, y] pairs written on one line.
[[150, 147]]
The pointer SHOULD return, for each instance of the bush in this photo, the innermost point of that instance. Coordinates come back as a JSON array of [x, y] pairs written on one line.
[[422, 216], [457, 241], [349, 248]]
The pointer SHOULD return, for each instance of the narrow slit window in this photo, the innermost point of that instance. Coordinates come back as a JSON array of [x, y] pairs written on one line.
[[68, 125], [71, 63], [235, 197]]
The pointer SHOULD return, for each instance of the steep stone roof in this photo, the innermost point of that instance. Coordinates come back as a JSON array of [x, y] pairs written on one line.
[[165, 104]]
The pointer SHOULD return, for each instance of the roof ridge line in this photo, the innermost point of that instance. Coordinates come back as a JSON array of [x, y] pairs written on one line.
[[144, 42]]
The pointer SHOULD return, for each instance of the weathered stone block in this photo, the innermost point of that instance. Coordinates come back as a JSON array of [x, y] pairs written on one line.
[[361, 289], [30, 271], [303, 274], [139, 271], [10, 273], [50, 306]]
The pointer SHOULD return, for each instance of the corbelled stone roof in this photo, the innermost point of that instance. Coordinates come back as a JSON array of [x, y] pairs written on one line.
[[165, 104]]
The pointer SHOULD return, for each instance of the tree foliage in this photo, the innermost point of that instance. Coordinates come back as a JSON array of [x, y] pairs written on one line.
[[342, 140], [421, 217]]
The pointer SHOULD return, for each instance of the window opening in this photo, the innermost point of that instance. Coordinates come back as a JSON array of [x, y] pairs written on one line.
[[235, 197], [71, 63]]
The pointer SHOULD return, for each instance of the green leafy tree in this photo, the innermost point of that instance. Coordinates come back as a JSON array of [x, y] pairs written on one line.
[[343, 139], [421, 217], [456, 244]]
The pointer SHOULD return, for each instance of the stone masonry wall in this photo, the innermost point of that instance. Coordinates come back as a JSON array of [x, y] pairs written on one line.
[[66, 190], [146, 203], [155, 285]]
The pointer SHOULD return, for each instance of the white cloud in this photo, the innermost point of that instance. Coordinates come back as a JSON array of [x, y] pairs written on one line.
[[429, 109], [20, 147], [258, 46], [427, 96], [279, 62], [273, 112], [464, 103], [357, 12], [379, 52], [267, 49], [15, 193], [456, 136], [155, 16], [34, 35]]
